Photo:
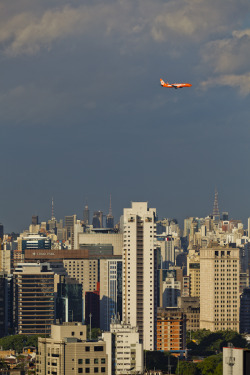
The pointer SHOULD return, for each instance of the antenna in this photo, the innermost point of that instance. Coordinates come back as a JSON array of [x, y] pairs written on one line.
[[110, 207], [216, 212], [52, 209]]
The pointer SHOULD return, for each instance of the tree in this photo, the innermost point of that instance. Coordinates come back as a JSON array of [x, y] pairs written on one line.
[[160, 360], [209, 365], [186, 368]]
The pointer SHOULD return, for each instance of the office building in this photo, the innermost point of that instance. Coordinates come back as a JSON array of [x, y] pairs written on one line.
[[36, 241], [245, 311], [86, 215], [97, 220], [92, 307], [3, 305], [69, 352], [105, 241], [139, 276], [1, 232], [33, 298], [193, 272], [124, 350], [219, 288], [110, 291], [34, 220], [190, 306], [69, 222], [69, 303]]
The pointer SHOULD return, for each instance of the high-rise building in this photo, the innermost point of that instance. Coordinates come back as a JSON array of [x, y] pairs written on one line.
[[92, 307], [219, 288], [97, 220], [110, 217], [245, 311], [124, 350], [70, 221], [86, 215], [3, 305], [171, 329], [33, 298], [193, 271], [1, 231], [190, 306], [110, 291], [139, 276], [34, 220], [69, 300]]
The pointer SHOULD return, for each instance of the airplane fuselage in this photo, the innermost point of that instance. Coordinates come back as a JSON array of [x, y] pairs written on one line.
[[174, 85]]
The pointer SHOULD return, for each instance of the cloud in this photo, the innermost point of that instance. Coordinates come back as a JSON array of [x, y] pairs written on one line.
[[230, 55], [195, 20], [26, 32], [227, 61], [241, 82]]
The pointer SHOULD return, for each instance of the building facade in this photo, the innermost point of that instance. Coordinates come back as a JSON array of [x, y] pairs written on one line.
[[69, 352], [34, 303], [124, 350], [139, 284], [219, 288]]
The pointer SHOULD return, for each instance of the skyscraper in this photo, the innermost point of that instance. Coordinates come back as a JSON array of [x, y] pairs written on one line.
[[139, 295], [97, 219], [33, 298], [86, 215], [110, 217], [219, 288]]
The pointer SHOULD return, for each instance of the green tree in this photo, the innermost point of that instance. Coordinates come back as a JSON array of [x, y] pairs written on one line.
[[160, 360], [209, 365], [186, 368]]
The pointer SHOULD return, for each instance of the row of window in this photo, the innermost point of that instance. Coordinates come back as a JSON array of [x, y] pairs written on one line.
[[87, 361], [87, 370]]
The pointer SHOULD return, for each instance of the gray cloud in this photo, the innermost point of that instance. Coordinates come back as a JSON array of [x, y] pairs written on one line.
[[228, 61], [230, 55], [26, 32], [241, 82]]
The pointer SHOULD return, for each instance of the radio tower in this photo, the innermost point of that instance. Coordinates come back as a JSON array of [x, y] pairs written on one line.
[[52, 210], [216, 212], [110, 217]]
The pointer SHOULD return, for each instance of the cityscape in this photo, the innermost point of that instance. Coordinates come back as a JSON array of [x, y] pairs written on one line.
[[99, 295], [124, 209]]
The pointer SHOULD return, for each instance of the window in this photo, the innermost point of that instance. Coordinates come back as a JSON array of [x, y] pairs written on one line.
[[103, 369], [72, 333], [98, 348], [87, 361], [95, 369], [103, 360], [87, 370], [87, 348], [79, 361], [80, 370], [96, 360]]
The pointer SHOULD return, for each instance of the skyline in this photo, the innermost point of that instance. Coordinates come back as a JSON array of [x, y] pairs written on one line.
[[105, 211], [82, 113]]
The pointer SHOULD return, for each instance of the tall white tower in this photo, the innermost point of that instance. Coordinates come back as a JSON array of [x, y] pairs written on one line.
[[139, 296]]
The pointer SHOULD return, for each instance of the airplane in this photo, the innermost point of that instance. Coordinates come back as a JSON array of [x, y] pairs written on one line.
[[174, 85]]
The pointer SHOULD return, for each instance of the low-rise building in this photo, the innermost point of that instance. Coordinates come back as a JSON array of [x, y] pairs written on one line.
[[69, 352]]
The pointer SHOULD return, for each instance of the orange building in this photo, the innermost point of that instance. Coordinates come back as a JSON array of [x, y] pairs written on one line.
[[171, 329]]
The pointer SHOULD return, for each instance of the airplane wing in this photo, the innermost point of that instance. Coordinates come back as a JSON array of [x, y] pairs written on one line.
[[175, 86]]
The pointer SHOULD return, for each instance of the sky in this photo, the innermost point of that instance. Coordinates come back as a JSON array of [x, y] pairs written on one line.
[[83, 115]]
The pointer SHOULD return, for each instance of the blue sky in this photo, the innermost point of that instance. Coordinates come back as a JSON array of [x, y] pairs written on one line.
[[82, 113]]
